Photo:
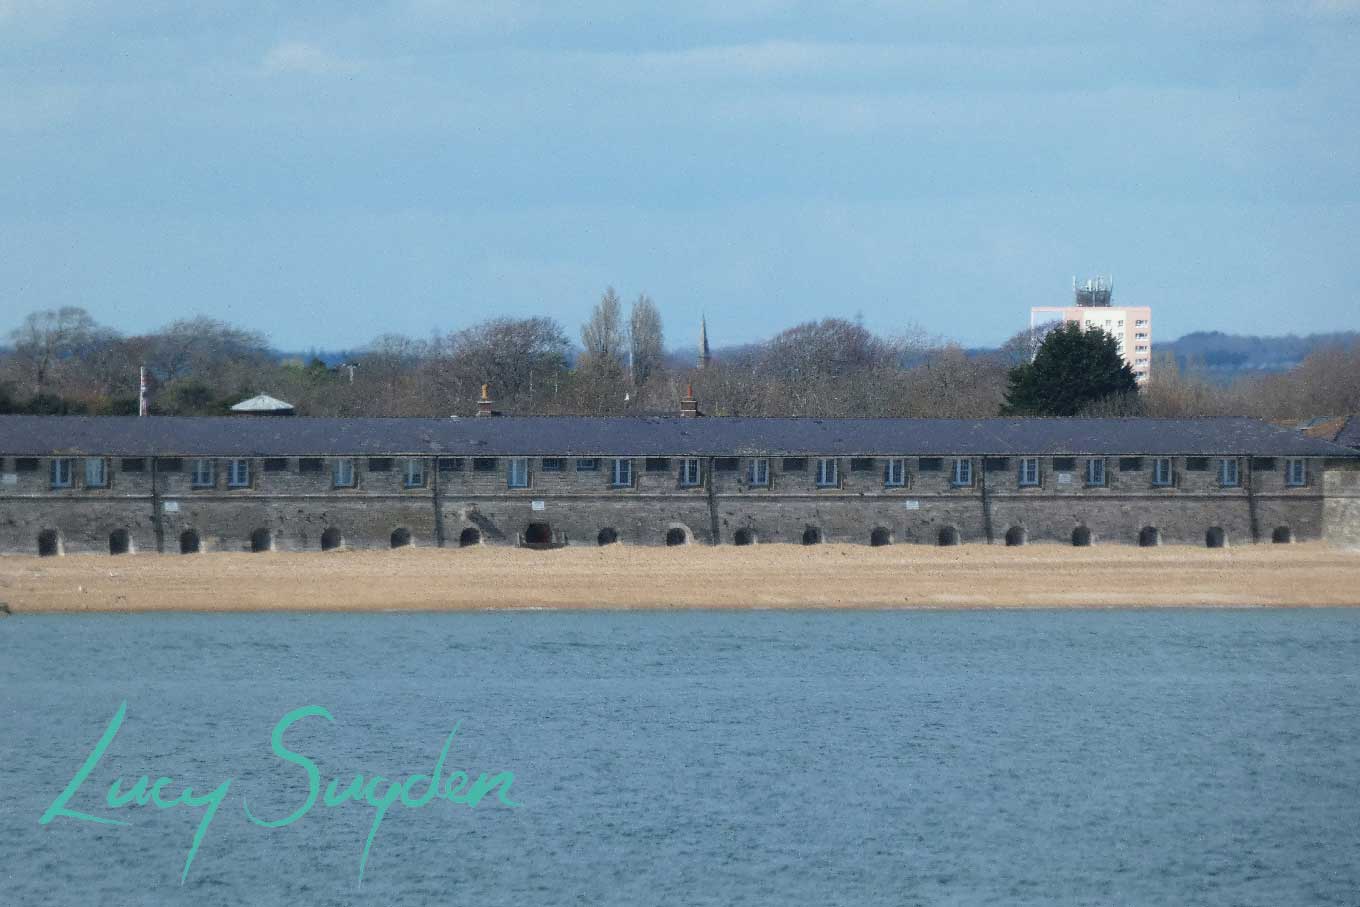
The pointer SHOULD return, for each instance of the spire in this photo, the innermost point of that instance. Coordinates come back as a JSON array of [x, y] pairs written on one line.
[[705, 357]]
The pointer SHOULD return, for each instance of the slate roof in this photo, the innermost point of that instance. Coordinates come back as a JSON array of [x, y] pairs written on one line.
[[243, 436]]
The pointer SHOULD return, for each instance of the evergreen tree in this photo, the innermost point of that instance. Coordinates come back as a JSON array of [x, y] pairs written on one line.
[[1073, 369]]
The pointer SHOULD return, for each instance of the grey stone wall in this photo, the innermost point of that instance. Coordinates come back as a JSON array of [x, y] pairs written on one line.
[[285, 506]]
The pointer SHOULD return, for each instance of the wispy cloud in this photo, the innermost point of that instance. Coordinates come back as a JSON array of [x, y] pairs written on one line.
[[302, 57]]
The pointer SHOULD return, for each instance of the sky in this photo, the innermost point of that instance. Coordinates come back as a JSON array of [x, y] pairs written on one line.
[[328, 173]]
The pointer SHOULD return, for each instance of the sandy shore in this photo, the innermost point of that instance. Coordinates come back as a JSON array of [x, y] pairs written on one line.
[[769, 576]]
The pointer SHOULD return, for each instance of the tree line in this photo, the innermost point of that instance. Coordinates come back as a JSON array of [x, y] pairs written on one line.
[[63, 361]]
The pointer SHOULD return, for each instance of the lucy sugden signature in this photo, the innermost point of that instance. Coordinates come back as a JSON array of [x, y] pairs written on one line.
[[377, 792]]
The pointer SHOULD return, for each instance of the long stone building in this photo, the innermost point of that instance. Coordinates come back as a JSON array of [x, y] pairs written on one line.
[[74, 484]]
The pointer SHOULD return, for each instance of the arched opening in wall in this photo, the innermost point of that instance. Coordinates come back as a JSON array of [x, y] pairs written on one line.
[[538, 534], [880, 537], [812, 536], [1149, 537], [744, 537], [676, 536], [948, 536], [1215, 537], [261, 540], [188, 542], [607, 536], [401, 537], [1282, 535], [119, 542], [1081, 537], [49, 543], [469, 537], [1016, 536], [331, 539]]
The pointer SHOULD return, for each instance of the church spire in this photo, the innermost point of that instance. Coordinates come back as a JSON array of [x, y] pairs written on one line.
[[705, 357]]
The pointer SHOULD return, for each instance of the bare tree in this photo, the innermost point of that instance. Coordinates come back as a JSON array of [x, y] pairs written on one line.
[[521, 359], [603, 335], [50, 338], [646, 343]]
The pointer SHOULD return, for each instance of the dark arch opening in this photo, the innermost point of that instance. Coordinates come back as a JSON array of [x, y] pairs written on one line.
[[401, 537], [538, 534], [49, 543], [880, 537], [676, 536], [1282, 535], [1016, 536], [261, 540], [948, 536], [1215, 537], [1149, 537], [331, 539], [1081, 537], [119, 542], [812, 536], [744, 537], [188, 542], [469, 537], [607, 536]]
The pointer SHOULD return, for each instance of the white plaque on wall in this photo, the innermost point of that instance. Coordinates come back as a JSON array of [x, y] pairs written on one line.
[[912, 505], [9, 478], [1064, 478], [170, 506], [537, 505]]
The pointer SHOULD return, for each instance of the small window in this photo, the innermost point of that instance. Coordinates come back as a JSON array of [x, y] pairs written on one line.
[[517, 476], [1161, 472], [895, 472], [169, 464], [1095, 471], [1196, 464], [134, 464], [588, 464], [342, 472], [450, 464], [483, 464], [795, 464], [962, 473], [828, 472], [997, 464], [658, 464], [727, 464], [1228, 472], [1296, 473], [758, 472], [862, 464], [1130, 464], [622, 473], [96, 472], [552, 464], [26, 464], [202, 474], [379, 464], [1064, 464], [238, 473], [1263, 464], [930, 464], [61, 472], [414, 474], [691, 472], [311, 466], [276, 464], [1029, 471]]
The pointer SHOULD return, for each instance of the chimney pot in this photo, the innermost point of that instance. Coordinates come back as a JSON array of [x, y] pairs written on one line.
[[484, 404], [689, 405]]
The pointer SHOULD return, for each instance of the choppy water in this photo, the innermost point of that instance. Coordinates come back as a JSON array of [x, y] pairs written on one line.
[[1064, 757]]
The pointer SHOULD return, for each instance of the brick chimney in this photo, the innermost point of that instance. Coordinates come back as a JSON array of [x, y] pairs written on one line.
[[689, 404], [484, 404]]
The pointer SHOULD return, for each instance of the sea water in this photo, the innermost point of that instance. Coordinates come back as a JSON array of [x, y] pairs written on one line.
[[699, 757]]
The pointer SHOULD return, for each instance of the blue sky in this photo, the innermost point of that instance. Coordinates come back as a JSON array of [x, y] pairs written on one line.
[[331, 172]]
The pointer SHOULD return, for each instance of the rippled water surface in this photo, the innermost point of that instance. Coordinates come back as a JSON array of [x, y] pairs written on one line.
[[1040, 757]]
